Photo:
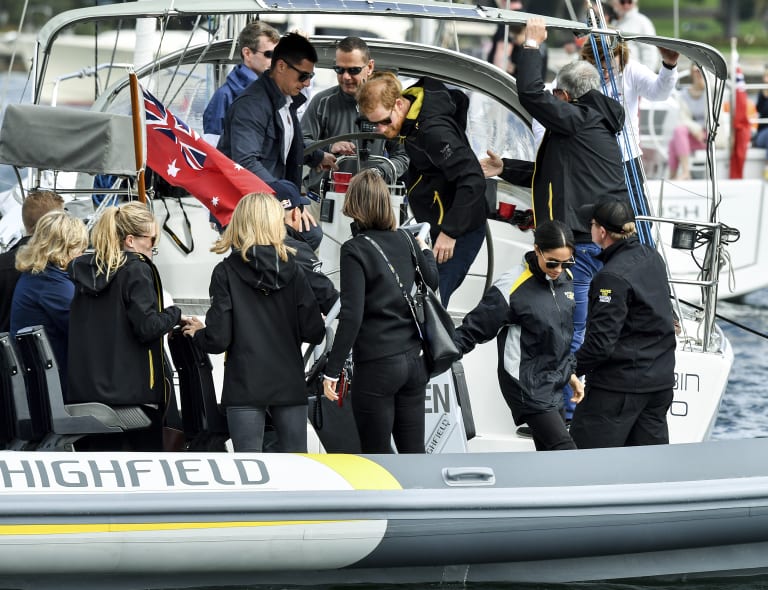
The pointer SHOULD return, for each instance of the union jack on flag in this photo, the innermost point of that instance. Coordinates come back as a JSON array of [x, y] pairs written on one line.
[[178, 154]]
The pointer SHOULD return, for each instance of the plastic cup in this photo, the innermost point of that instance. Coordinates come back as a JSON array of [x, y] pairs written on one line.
[[341, 181], [506, 210]]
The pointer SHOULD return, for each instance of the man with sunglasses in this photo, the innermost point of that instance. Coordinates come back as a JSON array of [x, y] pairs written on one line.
[[446, 184], [256, 42], [261, 129], [334, 112], [631, 20], [628, 354]]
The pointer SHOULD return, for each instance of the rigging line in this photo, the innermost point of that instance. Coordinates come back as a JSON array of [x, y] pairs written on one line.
[[114, 52], [192, 68], [736, 323], [13, 53], [604, 63]]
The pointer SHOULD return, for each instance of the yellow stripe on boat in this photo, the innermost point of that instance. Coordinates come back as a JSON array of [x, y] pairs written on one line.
[[72, 529], [360, 473]]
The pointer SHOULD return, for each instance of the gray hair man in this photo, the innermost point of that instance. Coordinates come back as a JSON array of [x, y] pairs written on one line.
[[334, 112]]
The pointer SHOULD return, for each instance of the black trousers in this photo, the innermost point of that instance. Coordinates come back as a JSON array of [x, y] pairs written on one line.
[[388, 402], [610, 419], [549, 431]]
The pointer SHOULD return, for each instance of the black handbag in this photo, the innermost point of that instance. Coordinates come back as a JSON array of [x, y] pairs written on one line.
[[433, 322]]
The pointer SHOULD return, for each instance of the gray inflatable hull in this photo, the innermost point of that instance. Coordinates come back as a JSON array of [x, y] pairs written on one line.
[[186, 520]]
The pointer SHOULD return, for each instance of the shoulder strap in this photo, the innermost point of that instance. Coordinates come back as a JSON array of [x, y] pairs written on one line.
[[406, 296], [419, 276]]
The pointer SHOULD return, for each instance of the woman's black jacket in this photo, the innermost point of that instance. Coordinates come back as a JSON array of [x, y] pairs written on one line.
[[261, 311]]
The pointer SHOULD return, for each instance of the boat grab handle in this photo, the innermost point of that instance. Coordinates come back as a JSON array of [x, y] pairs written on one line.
[[469, 476]]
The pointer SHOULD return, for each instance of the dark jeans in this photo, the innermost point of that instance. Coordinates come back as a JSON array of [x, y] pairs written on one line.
[[549, 431], [388, 401], [610, 419], [246, 428], [587, 266], [453, 271]]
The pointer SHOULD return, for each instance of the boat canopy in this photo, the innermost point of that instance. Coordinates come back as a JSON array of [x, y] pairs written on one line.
[[60, 138]]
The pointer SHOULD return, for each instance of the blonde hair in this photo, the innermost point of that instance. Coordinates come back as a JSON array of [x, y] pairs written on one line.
[[620, 51], [110, 231], [368, 202], [382, 88], [258, 220], [59, 237]]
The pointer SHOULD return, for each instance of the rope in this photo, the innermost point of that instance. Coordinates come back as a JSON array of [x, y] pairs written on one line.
[[730, 321]]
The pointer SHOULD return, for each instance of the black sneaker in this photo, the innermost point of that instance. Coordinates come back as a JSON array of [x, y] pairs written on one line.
[[524, 431]]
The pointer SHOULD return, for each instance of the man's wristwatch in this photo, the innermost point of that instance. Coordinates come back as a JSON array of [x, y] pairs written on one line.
[[531, 44]]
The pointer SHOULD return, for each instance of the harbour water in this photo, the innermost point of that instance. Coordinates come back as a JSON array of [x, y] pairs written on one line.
[[744, 410]]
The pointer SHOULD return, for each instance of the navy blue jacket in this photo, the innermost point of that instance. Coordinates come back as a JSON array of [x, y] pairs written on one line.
[[238, 80], [253, 134], [43, 299]]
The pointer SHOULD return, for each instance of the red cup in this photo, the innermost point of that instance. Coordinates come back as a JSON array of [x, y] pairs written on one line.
[[341, 181], [506, 209]]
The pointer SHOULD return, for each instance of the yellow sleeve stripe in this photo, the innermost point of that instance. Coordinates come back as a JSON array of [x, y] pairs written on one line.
[[524, 276]]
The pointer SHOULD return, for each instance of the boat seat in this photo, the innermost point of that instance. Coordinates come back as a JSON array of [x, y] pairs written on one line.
[[45, 395], [16, 427], [204, 423]]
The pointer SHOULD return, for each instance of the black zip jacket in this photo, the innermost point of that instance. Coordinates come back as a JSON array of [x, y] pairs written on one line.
[[116, 328], [532, 319], [629, 345], [325, 293], [374, 316], [447, 184], [579, 160], [261, 311]]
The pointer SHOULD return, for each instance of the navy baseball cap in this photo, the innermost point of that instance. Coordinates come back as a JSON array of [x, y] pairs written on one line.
[[288, 194]]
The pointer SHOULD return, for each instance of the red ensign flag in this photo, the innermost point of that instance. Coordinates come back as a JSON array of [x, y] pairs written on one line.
[[183, 158]]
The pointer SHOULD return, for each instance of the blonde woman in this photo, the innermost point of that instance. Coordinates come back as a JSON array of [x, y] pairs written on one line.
[[117, 325], [43, 293], [262, 309]]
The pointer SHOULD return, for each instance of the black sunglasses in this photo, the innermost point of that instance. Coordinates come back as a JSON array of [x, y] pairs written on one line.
[[385, 122], [303, 76], [152, 238], [565, 264], [351, 71], [268, 53]]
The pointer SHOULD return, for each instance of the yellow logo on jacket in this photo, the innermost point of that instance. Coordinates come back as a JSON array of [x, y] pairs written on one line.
[[605, 296]]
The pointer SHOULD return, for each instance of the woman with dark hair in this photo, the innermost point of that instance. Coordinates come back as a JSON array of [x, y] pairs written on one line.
[[530, 311], [377, 324]]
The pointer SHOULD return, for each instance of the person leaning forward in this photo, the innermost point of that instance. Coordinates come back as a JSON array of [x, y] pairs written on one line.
[[447, 187], [628, 354]]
